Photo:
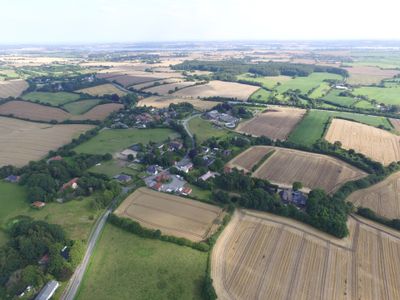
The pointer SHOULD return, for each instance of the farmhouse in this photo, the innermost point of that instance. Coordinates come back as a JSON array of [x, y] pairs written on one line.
[[54, 158], [122, 178], [185, 165], [48, 290], [208, 175], [73, 183], [12, 179], [127, 153], [38, 204], [293, 197]]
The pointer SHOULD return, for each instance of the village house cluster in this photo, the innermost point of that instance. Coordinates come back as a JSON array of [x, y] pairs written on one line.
[[222, 119]]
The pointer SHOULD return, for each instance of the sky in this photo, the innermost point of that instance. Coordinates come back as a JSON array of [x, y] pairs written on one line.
[[107, 21]]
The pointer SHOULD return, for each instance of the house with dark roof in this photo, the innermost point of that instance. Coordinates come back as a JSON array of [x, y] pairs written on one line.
[[122, 178], [12, 179]]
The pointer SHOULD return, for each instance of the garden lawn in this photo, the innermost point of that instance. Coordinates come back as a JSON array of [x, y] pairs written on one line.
[[113, 167], [114, 140], [54, 99], [80, 107], [126, 266]]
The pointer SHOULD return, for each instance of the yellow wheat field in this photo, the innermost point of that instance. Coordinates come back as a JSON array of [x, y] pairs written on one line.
[[262, 256]]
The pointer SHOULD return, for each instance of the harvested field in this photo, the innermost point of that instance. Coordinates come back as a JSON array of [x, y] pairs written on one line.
[[378, 144], [101, 90], [368, 75], [166, 89], [23, 141], [217, 88], [248, 159], [99, 112], [149, 84], [171, 214], [129, 78], [165, 101], [12, 88], [383, 197], [396, 124], [286, 166], [276, 123], [262, 256]]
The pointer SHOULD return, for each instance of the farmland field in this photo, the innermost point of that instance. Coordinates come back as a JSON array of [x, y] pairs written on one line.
[[138, 77], [217, 88], [383, 197], [335, 98], [286, 166], [276, 123], [142, 269], [23, 141], [101, 90], [385, 95], [55, 99], [12, 88], [365, 75], [262, 256], [305, 84], [396, 124], [80, 107], [163, 102], [249, 158], [261, 95], [320, 91], [165, 89], [378, 144], [312, 126], [99, 112], [113, 140], [171, 214], [269, 82], [149, 84], [203, 129]]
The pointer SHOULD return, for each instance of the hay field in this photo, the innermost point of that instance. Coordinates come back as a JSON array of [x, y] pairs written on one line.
[[23, 141], [166, 89], [218, 88], [262, 256], [276, 123], [171, 214], [286, 166], [365, 75], [378, 144], [12, 88], [395, 123], [165, 101], [101, 90], [383, 197]]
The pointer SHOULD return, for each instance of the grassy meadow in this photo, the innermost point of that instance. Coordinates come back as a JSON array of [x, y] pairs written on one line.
[[386, 95], [55, 99], [80, 107], [305, 84]]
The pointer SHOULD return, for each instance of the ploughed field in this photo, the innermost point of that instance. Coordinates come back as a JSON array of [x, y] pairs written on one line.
[[262, 256], [23, 141], [218, 88], [12, 88], [383, 197], [286, 166], [378, 144], [165, 101], [275, 123], [171, 214]]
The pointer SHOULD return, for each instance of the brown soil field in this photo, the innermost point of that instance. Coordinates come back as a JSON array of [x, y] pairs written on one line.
[[368, 75], [262, 256], [276, 123], [165, 89], [171, 214], [37, 112], [217, 88], [396, 124], [165, 101], [249, 158], [286, 166], [103, 89], [23, 141], [12, 88], [383, 197], [378, 144]]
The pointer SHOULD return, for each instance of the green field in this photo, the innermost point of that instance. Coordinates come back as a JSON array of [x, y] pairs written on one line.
[[334, 98], [203, 129], [114, 140], [305, 84], [80, 107], [55, 99], [268, 82], [320, 91], [387, 96], [260, 95], [364, 104], [311, 128], [126, 266], [113, 167]]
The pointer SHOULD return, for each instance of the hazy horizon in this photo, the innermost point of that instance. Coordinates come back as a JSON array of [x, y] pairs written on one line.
[[124, 21]]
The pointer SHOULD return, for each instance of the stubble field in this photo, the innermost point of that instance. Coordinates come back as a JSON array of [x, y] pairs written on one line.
[[23, 141], [368, 75], [12, 88], [276, 123], [396, 124], [165, 101], [166, 89], [378, 144], [171, 214], [101, 90], [262, 256], [249, 158]]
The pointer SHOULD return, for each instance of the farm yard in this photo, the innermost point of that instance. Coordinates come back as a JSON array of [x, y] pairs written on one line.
[[12, 88], [54, 99], [142, 269], [171, 214], [101, 90], [165, 101], [262, 256], [23, 141], [378, 144], [366, 75], [275, 123], [383, 197], [166, 89], [286, 166], [218, 88]]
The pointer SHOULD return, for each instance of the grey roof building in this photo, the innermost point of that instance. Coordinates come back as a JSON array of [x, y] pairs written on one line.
[[48, 290]]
